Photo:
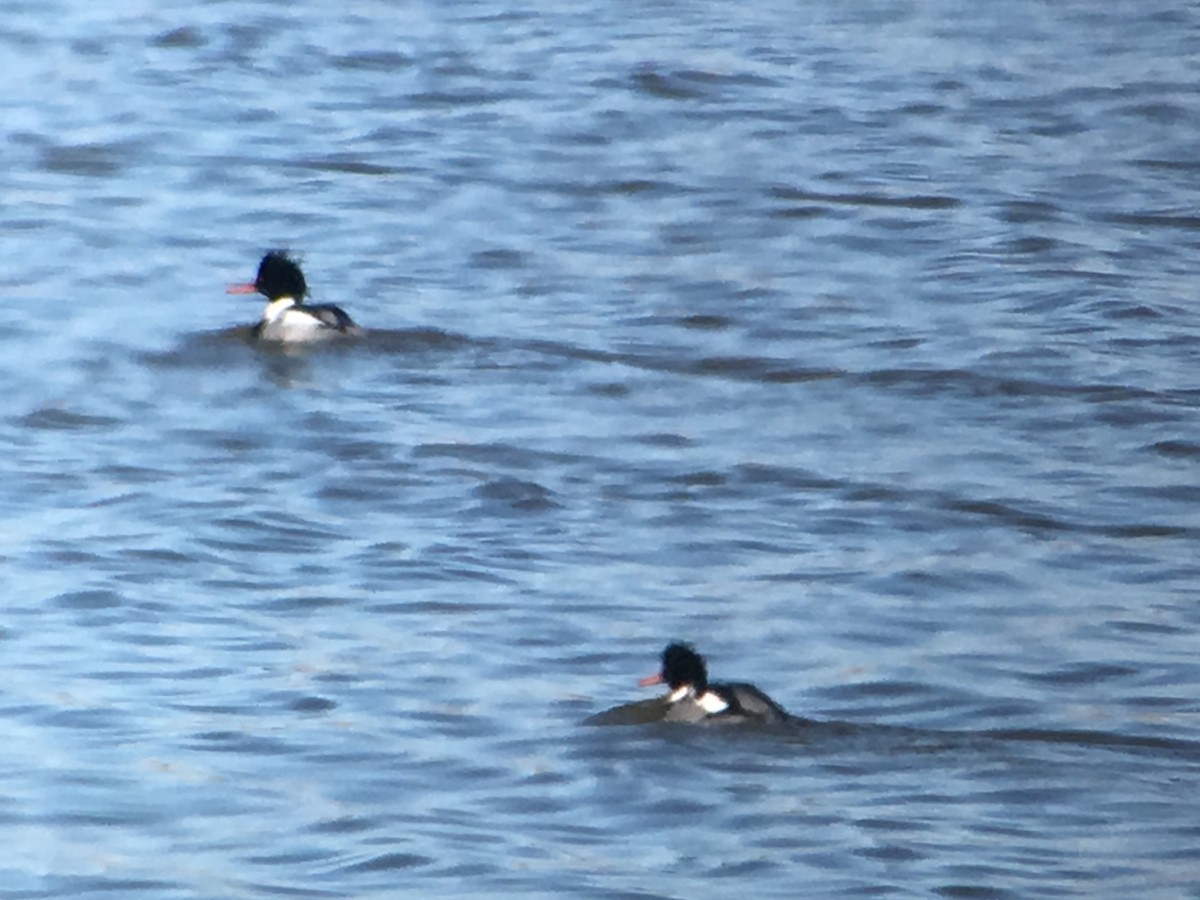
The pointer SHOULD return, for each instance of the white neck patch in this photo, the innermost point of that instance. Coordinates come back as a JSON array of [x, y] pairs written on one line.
[[679, 693], [277, 308]]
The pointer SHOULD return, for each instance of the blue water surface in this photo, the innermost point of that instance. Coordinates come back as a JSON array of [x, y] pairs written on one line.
[[855, 343]]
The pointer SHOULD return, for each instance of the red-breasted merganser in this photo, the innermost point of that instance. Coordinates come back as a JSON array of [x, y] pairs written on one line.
[[691, 698], [287, 318]]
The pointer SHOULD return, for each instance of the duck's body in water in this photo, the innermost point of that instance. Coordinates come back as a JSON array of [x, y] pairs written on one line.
[[286, 318], [691, 698]]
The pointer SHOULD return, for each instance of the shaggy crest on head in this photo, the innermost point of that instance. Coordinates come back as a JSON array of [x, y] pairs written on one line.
[[279, 276], [682, 666]]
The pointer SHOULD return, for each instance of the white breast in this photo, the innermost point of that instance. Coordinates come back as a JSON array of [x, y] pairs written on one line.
[[711, 703], [708, 701], [281, 321]]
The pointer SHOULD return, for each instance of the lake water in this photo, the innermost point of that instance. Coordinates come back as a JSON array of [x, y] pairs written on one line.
[[856, 343]]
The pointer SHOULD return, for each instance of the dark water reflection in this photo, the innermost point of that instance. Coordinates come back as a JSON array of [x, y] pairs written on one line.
[[855, 344]]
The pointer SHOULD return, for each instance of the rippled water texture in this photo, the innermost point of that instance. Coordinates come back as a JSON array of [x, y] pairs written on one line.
[[856, 343]]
